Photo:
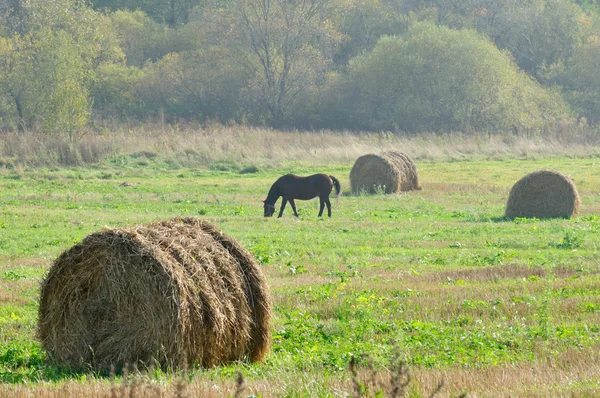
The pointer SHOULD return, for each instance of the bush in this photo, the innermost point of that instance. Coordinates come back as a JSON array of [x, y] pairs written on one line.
[[438, 79]]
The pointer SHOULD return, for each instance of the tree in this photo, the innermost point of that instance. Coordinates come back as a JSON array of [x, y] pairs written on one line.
[[538, 33], [286, 45], [140, 37], [46, 71], [44, 76], [581, 81], [361, 23], [201, 84], [439, 79], [173, 13]]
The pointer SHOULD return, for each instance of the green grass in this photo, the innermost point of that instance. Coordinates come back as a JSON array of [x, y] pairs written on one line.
[[439, 273]]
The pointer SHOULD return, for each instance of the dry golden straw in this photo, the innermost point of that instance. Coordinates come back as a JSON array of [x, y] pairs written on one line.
[[389, 172], [411, 175], [543, 194], [170, 294]]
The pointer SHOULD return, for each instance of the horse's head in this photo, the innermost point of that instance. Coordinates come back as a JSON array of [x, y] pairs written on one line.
[[269, 208]]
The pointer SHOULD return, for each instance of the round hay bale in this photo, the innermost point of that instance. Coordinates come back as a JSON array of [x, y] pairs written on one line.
[[390, 172], [543, 194], [411, 175], [372, 173], [170, 294]]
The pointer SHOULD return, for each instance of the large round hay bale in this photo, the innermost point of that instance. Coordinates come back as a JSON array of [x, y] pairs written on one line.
[[390, 172], [543, 194], [410, 180], [372, 173], [169, 294]]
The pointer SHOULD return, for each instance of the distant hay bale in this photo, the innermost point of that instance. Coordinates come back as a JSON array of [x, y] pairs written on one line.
[[543, 194], [411, 175], [390, 172], [169, 294]]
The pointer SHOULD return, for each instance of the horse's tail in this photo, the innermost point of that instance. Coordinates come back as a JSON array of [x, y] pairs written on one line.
[[336, 184]]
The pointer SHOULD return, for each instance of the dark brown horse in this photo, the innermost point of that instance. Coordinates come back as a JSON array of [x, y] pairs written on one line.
[[292, 187]]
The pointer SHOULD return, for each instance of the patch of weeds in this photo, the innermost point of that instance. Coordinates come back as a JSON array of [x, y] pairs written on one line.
[[458, 214], [591, 307], [343, 275], [239, 211], [11, 275], [525, 220], [379, 189], [262, 253], [7, 163], [544, 326], [368, 383], [404, 293], [295, 269], [570, 241], [21, 362], [144, 154], [438, 261], [224, 166], [249, 170], [482, 261]]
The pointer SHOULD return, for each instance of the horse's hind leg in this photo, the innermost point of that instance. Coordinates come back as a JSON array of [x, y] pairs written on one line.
[[283, 203], [328, 203], [294, 207], [322, 205]]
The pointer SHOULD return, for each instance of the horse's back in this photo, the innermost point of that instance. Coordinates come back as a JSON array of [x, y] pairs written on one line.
[[315, 178], [305, 188]]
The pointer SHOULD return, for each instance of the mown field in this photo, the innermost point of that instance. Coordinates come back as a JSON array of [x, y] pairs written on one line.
[[437, 278]]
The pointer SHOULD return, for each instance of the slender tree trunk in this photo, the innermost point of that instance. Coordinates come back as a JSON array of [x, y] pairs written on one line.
[[21, 122], [172, 21]]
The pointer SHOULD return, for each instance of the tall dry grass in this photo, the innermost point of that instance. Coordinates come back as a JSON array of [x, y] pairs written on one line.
[[570, 374], [195, 146]]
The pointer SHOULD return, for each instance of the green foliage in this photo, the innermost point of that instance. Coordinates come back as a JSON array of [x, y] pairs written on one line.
[[202, 84], [114, 90], [579, 79], [570, 241], [170, 13], [537, 33], [20, 362], [141, 38], [45, 78], [439, 79], [46, 70], [361, 23], [326, 65], [284, 45]]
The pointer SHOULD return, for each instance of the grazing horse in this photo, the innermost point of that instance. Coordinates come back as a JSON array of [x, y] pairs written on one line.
[[292, 187]]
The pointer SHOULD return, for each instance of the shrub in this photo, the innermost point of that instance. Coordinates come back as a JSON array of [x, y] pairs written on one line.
[[438, 79]]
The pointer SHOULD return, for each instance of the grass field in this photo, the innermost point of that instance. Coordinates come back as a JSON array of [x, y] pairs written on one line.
[[435, 277]]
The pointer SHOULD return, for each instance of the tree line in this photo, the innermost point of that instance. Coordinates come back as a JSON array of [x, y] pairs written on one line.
[[398, 65]]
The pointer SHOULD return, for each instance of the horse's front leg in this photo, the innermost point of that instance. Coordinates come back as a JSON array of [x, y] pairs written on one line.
[[294, 207], [283, 203], [322, 205]]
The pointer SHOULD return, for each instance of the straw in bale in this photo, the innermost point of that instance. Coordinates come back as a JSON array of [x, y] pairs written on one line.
[[389, 171], [543, 194], [173, 293], [411, 175]]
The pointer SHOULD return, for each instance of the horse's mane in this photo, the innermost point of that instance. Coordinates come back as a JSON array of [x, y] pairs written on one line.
[[273, 194]]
